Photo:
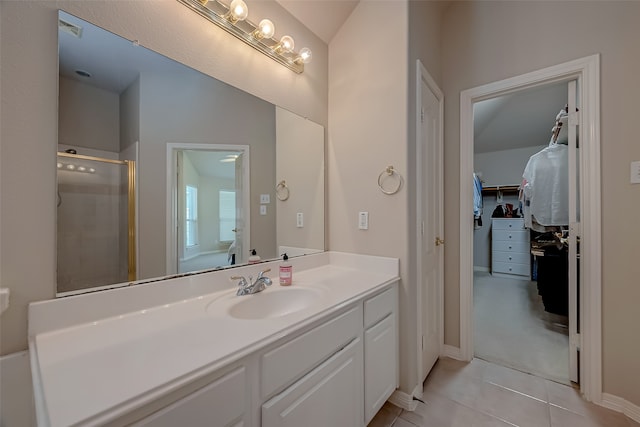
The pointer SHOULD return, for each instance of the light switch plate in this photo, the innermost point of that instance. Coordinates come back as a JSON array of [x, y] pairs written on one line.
[[263, 209], [299, 220], [265, 198], [363, 220], [635, 172]]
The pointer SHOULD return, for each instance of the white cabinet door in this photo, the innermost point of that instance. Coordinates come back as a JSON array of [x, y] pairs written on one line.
[[223, 403], [379, 365], [329, 395]]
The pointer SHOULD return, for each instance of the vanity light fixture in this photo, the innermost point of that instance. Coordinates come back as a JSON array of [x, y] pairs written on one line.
[[233, 19], [75, 168]]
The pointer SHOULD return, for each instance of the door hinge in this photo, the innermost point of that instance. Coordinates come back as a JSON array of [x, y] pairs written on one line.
[[421, 115], [422, 228], [576, 341], [574, 119]]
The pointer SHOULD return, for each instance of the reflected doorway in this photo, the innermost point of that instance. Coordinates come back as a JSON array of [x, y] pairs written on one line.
[[209, 193]]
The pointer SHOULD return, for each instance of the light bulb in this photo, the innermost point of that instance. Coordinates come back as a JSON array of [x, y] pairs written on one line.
[[92, 170], [266, 29], [71, 167], [286, 44], [238, 10], [304, 56], [81, 169], [59, 165]]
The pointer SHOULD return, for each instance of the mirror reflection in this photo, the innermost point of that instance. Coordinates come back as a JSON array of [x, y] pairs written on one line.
[[208, 158]]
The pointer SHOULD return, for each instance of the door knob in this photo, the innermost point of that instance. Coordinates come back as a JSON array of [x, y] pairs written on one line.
[[439, 241]]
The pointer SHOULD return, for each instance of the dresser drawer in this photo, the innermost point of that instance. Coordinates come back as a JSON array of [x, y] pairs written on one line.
[[507, 246], [286, 363], [513, 257], [510, 235], [510, 268], [508, 224]]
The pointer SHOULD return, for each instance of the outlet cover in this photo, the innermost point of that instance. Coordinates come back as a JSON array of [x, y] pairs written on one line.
[[363, 220]]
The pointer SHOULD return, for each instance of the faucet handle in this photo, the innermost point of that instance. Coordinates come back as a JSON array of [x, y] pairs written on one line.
[[243, 281], [262, 273]]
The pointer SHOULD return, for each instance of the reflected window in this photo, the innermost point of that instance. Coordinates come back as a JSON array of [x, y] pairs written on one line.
[[191, 216], [227, 215]]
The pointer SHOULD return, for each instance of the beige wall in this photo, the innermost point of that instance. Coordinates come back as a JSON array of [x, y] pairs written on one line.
[[29, 78], [300, 162], [372, 126], [88, 116], [489, 41]]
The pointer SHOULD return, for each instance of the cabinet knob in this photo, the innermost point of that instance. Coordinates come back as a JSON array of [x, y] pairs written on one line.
[[510, 236], [509, 258], [509, 247]]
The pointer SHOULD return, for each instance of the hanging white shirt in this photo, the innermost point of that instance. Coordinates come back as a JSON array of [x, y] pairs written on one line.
[[547, 186]]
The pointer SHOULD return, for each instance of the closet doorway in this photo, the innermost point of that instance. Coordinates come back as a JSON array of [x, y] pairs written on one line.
[[521, 318], [585, 124]]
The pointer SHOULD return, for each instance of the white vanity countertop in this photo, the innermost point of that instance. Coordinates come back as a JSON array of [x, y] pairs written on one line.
[[93, 370]]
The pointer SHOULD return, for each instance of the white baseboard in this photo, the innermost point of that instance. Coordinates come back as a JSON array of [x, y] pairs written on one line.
[[479, 268], [621, 405], [403, 400], [451, 351]]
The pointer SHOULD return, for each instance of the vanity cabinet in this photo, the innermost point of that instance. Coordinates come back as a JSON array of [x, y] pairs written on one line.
[[380, 351], [329, 395]]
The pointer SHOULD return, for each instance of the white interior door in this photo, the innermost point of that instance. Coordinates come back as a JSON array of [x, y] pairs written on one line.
[[574, 232], [430, 214]]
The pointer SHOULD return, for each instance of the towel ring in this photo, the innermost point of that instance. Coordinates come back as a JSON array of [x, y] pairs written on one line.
[[389, 172], [282, 191]]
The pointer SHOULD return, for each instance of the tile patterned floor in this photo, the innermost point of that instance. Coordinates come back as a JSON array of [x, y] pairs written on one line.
[[482, 394]]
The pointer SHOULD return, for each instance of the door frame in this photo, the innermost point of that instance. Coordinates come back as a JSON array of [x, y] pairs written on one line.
[[172, 200], [587, 72], [423, 75]]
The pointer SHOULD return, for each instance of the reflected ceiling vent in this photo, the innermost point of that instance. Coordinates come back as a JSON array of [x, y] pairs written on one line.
[[70, 28]]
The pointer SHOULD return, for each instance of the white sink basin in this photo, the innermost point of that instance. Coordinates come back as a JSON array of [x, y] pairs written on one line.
[[270, 303]]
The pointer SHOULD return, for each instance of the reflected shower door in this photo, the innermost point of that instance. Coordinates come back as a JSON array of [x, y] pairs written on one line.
[[96, 214]]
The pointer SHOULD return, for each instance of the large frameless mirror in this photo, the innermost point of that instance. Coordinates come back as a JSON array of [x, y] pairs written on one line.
[[201, 167]]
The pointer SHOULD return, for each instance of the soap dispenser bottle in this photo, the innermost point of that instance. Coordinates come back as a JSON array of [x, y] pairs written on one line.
[[286, 271], [254, 258]]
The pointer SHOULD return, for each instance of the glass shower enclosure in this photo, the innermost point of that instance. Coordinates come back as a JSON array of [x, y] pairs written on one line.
[[96, 240]]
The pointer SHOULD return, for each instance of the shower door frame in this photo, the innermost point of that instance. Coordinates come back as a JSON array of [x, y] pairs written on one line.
[[131, 207]]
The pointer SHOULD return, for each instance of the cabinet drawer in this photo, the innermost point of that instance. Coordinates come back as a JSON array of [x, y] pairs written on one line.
[[508, 224], [378, 307], [513, 257], [510, 235], [286, 363], [221, 403], [510, 268], [507, 246]]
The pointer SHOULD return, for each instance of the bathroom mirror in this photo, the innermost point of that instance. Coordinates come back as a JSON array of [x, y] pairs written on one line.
[[121, 101]]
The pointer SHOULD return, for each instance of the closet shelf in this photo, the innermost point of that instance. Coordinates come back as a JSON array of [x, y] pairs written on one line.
[[503, 188]]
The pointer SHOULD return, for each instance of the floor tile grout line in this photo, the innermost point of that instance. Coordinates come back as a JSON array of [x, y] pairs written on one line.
[[481, 411], [518, 392]]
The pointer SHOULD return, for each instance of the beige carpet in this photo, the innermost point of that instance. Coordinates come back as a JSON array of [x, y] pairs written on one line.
[[512, 328]]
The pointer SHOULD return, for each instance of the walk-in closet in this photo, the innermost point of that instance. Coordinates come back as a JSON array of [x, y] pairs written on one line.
[[521, 230]]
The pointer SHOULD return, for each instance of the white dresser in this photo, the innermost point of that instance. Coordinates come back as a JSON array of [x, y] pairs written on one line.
[[510, 252]]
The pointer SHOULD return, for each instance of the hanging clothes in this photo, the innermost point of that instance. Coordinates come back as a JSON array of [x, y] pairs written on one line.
[[477, 201], [546, 187]]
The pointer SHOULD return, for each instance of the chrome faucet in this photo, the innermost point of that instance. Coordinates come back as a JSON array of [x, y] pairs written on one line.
[[247, 287]]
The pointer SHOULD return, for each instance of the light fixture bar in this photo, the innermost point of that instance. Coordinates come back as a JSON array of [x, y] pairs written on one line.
[[216, 12]]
